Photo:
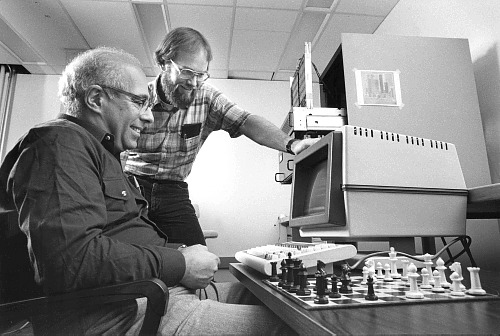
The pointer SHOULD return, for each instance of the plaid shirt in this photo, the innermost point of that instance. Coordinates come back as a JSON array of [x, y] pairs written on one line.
[[167, 148]]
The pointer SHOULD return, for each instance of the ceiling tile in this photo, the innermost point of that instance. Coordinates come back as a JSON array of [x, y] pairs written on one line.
[[264, 19], [378, 7], [284, 4], [203, 2], [283, 75], [254, 75], [319, 3], [213, 22], [153, 25], [329, 41], [305, 31], [111, 24], [252, 52], [14, 45]]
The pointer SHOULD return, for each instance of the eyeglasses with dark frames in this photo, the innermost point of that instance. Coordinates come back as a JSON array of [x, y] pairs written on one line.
[[143, 102], [186, 73]]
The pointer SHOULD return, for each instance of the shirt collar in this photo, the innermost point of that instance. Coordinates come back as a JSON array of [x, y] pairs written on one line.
[[105, 138]]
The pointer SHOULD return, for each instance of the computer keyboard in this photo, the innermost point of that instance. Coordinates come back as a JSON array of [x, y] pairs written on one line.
[[260, 258]]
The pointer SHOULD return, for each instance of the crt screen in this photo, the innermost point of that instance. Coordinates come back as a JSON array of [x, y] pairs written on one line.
[[315, 196]]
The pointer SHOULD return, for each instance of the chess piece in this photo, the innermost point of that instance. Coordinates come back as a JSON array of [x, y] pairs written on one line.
[[428, 265], [380, 269], [455, 285], [475, 282], [365, 275], [457, 267], [437, 282], [296, 269], [387, 276], [441, 268], [393, 259], [425, 279], [405, 263], [334, 293], [345, 280], [284, 271], [274, 272], [302, 276], [413, 293], [370, 295], [320, 275], [289, 275]]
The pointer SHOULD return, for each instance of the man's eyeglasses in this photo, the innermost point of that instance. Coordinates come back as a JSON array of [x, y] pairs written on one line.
[[186, 73], [143, 102]]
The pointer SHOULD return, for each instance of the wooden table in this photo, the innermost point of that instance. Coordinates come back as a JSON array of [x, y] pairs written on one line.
[[474, 317]]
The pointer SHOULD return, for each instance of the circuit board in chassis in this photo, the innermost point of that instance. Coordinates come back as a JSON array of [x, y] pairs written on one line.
[[388, 293]]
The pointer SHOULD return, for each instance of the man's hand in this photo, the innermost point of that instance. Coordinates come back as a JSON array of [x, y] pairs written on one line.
[[201, 266], [299, 146]]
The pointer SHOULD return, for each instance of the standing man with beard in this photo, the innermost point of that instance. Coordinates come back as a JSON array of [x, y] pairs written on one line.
[[186, 111]]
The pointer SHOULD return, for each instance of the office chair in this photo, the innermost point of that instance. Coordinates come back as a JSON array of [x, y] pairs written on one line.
[[21, 298], [206, 233]]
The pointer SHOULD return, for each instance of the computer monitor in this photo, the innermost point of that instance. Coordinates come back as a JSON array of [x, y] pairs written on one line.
[[360, 183]]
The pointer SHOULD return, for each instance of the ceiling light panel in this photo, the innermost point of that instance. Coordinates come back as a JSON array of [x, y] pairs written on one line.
[[111, 24], [152, 22], [364, 7]]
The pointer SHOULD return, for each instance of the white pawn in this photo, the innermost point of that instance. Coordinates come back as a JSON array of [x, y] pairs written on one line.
[[413, 293], [380, 274], [405, 263], [387, 276], [455, 286], [425, 279], [365, 275], [475, 283], [437, 282], [457, 267], [441, 268]]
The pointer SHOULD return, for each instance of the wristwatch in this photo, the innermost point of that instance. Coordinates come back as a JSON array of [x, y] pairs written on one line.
[[289, 146]]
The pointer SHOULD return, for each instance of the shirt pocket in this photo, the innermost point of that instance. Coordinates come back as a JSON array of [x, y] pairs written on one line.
[[116, 196]]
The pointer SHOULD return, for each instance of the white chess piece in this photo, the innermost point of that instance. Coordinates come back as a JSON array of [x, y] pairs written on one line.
[[405, 263], [387, 276], [365, 275], [413, 293], [455, 285], [428, 265], [437, 282], [441, 268], [457, 267], [380, 268], [393, 259], [475, 283], [425, 279]]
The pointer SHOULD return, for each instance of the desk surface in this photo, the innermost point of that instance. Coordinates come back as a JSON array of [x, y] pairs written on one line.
[[476, 317]]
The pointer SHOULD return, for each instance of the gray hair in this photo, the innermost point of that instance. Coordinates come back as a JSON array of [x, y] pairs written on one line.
[[101, 66]]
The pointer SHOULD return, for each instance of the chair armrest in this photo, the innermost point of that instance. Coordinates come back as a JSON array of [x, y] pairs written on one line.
[[154, 290]]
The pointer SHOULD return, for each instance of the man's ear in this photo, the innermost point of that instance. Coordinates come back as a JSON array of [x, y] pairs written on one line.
[[94, 98]]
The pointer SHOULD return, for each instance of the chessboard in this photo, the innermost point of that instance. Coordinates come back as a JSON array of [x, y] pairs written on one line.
[[388, 293]]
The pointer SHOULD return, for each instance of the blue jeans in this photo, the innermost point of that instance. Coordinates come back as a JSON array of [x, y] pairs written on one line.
[[171, 209]]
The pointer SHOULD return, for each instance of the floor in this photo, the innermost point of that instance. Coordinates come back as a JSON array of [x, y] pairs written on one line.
[[223, 275]]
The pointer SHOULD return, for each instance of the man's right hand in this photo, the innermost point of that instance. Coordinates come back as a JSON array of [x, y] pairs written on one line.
[[201, 266]]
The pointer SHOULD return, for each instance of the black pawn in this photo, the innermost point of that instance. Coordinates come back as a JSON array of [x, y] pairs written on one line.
[[283, 269], [334, 294], [303, 291], [370, 296], [274, 272]]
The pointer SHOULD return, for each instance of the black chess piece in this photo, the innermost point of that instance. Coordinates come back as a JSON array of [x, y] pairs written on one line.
[[370, 296], [302, 274], [296, 269], [274, 272], [334, 293], [289, 276], [345, 279], [284, 276], [320, 275]]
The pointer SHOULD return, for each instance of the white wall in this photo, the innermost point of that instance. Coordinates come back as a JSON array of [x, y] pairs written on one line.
[[478, 21]]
